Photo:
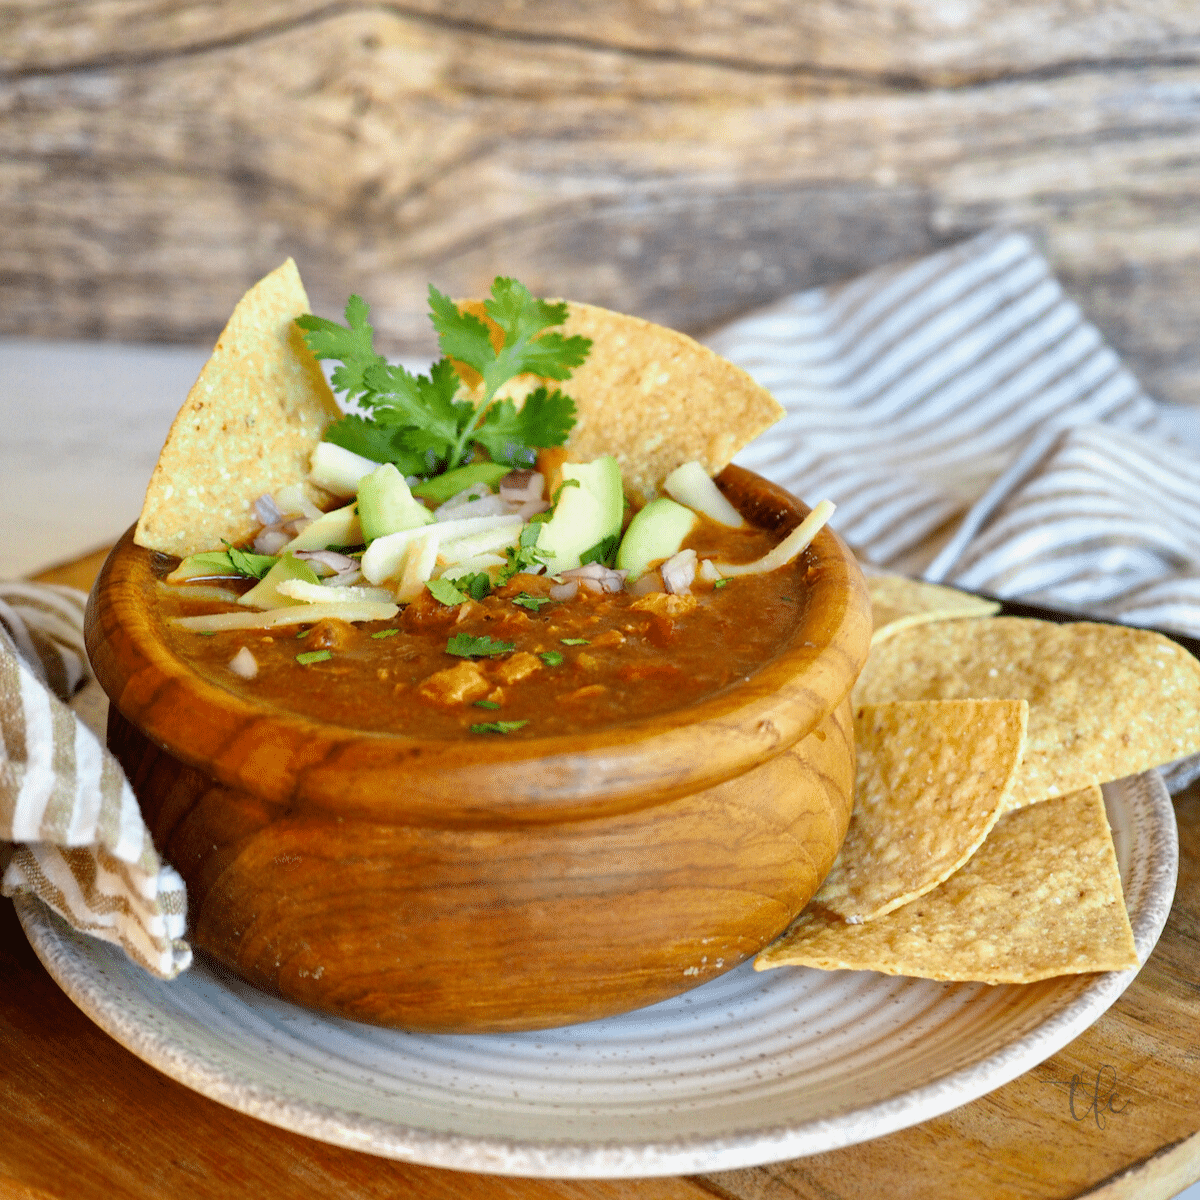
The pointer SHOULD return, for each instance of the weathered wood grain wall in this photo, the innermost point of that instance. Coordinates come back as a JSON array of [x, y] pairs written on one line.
[[682, 159]]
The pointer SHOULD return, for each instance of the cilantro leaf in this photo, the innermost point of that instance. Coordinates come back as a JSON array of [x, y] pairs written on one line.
[[421, 426], [498, 726], [352, 344], [552, 658], [533, 603], [385, 633], [253, 566], [575, 641], [444, 591], [604, 551], [465, 646], [525, 554], [508, 434], [378, 442], [486, 704], [477, 585]]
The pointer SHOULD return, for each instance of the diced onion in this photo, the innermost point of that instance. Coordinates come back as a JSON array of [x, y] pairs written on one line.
[[243, 663], [271, 541], [708, 571], [596, 577], [565, 591], [678, 572], [267, 511]]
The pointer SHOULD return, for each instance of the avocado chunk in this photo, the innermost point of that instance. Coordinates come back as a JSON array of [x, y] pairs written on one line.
[[441, 487], [654, 534], [266, 594], [385, 505], [589, 511]]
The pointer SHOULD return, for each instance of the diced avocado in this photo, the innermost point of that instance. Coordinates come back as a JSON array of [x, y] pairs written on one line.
[[654, 534], [337, 469], [385, 505], [338, 527], [265, 593], [584, 515], [211, 564], [441, 487]]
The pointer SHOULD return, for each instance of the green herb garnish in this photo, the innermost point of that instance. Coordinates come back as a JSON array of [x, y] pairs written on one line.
[[533, 603], [314, 656], [465, 646], [304, 632], [382, 633], [721, 582], [476, 586], [445, 592], [604, 551], [208, 633], [551, 658], [498, 727], [486, 704], [575, 641], [415, 420], [524, 554], [232, 562]]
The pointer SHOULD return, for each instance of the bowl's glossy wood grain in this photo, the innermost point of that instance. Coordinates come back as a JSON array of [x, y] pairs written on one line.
[[493, 884]]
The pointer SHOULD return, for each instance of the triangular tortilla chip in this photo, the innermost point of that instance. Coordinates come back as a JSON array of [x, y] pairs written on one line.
[[1041, 897], [933, 778], [898, 603], [1105, 701], [655, 398], [248, 426]]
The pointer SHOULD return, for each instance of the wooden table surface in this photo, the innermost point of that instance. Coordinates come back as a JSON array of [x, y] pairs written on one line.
[[86, 1119]]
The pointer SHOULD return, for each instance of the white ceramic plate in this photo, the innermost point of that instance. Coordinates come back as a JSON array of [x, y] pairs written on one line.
[[747, 1069]]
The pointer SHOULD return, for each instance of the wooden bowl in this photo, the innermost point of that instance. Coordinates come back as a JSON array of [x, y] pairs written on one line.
[[493, 884]]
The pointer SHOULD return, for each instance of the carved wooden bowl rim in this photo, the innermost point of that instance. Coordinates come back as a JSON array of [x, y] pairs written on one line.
[[285, 757]]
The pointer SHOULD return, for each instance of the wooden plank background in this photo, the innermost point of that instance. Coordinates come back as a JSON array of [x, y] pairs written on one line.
[[682, 159]]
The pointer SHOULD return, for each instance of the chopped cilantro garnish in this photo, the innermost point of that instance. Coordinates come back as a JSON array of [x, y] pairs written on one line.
[[721, 582], [575, 641], [253, 567], [313, 656], [604, 551], [533, 603], [524, 554], [486, 704], [304, 632], [416, 421], [476, 586], [551, 658], [382, 633], [208, 633], [466, 646], [445, 592], [498, 726]]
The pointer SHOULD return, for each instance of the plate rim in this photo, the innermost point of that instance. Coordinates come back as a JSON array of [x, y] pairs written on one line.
[[684, 1154]]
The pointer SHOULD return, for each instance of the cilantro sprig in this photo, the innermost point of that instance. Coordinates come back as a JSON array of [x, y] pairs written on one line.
[[465, 646], [417, 421]]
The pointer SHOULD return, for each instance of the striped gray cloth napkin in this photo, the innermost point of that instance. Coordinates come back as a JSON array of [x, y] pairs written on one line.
[[81, 845], [972, 427]]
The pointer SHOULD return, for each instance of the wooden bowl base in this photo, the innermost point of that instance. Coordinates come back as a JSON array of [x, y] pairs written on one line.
[[528, 926]]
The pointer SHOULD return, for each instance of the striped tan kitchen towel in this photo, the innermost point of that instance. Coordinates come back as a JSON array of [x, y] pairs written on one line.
[[82, 846]]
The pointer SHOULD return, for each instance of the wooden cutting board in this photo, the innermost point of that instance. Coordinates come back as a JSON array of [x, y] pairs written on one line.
[[1116, 1114]]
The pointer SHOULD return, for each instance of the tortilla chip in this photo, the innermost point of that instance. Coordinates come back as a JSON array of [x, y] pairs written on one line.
[[899, 603], [248, 426], [933, 777], [1105, 701], [655, 398], [1042, 897]]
